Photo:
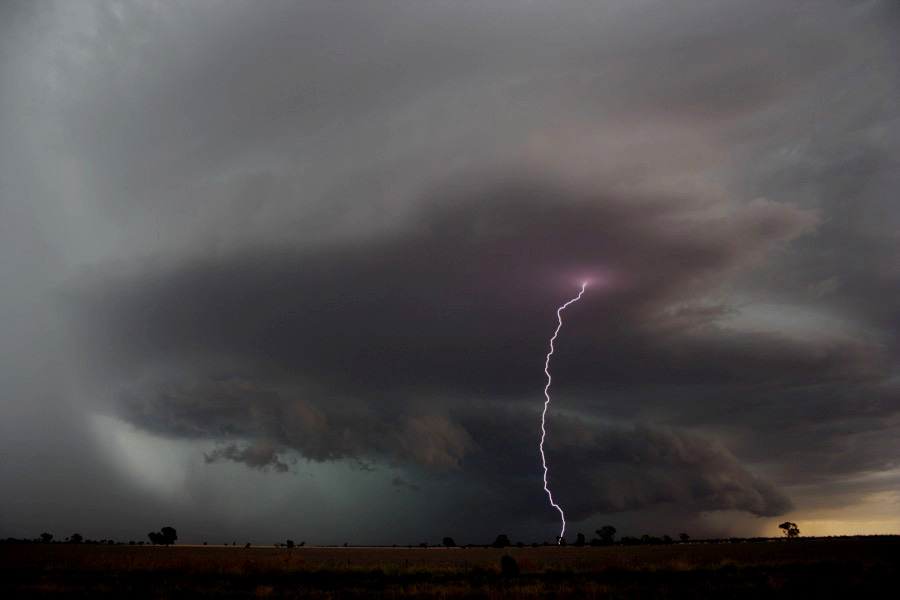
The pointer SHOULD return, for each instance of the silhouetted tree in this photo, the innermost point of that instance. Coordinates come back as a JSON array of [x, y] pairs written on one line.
[[449, 542], [606, 535], [76, 538], [247, 545], [502, 541], [560, 541], [667, 539], [684, 537], [163, 537], [290, 543], [46, 537], [790, 529], [579, 540]]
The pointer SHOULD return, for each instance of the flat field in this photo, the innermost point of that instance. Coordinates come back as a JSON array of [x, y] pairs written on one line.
[[847, 567]]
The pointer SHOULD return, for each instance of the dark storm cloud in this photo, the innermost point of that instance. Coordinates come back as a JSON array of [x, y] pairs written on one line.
[[612, 469], [444, 307], [233, 408], [259, 455], [399, 482], [459, 298], [600, 468], [313, 234]]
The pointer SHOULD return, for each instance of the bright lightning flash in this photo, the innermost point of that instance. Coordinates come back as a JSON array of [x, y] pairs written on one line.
[[547, 404]]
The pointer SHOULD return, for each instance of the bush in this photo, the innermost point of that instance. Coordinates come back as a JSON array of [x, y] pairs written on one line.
[[508, 566]]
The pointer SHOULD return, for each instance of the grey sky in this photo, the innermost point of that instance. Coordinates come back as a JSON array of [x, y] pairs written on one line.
[[291, 267]]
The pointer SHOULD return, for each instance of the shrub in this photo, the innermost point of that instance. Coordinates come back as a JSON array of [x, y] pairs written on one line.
[[508, 566]]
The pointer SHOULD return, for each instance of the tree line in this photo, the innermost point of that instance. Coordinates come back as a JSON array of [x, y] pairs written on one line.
[[605, 536]]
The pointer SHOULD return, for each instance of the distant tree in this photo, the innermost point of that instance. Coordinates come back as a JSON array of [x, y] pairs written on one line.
[[520, 545], [560, 541], [790, 529], [46, 537], [579, 540], [606, 535], [76, 538], [449, 542], [247, 545], [169, 535], [684, 537], [502, 541], [301, 544], [163, 537], [290, 543], [667, 539]]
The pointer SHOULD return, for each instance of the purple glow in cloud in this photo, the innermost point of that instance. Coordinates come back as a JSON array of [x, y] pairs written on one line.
[[547, 404]]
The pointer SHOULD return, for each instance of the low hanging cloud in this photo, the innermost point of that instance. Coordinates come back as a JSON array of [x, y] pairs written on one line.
[[400, 483], [344, 352], [235, 409], [612, 470], [259, 455], [597, 467]]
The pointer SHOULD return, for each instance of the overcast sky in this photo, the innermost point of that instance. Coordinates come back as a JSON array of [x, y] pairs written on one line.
[[290, 269]]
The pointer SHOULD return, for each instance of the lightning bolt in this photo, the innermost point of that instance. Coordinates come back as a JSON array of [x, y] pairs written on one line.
[[547, 404]]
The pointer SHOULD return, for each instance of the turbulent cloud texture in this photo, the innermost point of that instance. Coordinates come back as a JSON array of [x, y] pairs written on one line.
[[320, 245]]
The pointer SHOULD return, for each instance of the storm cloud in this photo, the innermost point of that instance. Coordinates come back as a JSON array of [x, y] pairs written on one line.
[[319, 246]]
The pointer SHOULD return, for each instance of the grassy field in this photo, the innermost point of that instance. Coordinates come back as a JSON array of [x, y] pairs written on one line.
[[798, 568]]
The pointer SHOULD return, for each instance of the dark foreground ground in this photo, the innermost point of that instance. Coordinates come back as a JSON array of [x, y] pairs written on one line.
[[831, 568]]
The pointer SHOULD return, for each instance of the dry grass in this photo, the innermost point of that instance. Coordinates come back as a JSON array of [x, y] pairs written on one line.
[[803, 567]]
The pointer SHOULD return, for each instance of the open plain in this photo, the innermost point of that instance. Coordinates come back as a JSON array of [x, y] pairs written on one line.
[[841, 567]]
